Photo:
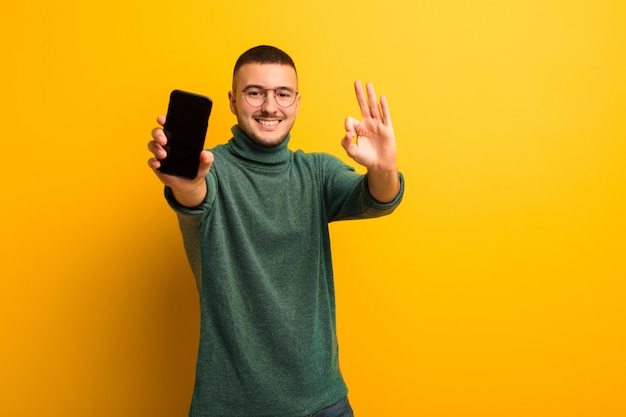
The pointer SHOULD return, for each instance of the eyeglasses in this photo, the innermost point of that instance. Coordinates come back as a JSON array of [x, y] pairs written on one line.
[[256, 96]]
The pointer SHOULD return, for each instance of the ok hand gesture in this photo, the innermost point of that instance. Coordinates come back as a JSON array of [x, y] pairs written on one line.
[[375, 144]]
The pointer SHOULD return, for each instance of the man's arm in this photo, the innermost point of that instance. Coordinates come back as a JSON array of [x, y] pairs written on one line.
[[375, 144], [189, 193]]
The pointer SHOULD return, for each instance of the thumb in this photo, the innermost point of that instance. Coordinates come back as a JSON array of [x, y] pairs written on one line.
[[348, 144], [206, 160]]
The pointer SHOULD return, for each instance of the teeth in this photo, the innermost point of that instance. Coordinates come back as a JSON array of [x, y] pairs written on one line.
[[268, 122]]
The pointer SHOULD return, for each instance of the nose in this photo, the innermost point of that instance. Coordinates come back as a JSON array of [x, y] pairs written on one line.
[[270, 104]]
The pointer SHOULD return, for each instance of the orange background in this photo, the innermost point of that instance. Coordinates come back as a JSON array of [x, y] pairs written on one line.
[[496, 289]]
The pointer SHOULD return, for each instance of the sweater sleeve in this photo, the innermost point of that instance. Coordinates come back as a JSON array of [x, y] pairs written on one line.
[[347, 194], [189, 221]]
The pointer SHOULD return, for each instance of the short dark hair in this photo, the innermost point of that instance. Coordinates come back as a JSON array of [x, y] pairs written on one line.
[[264, 54]]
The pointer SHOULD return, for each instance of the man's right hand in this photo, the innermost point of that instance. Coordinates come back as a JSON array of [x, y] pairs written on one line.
[[189, 193]]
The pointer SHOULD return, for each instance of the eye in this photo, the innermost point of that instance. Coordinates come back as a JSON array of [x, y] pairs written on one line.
[[254, 92], [284, 93]]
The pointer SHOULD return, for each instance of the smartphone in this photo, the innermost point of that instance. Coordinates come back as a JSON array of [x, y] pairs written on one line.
[[185, 127]]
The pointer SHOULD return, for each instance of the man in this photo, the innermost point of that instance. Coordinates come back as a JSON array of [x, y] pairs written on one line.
[[255, 228]]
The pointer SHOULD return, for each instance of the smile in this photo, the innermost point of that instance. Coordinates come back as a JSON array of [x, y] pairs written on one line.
[[268, 123]]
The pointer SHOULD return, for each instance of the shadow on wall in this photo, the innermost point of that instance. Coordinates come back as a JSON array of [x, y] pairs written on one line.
[[130, 322]]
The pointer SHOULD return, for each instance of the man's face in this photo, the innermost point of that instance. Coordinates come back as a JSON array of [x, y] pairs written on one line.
[[269, 124]]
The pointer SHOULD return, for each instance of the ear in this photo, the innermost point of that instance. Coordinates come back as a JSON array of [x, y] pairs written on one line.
[[233, 102], [297, 104]]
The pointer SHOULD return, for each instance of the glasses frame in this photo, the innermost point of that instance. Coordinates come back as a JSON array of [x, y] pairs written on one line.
[[265, 90]]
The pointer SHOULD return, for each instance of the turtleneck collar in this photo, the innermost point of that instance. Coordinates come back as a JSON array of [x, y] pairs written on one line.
[[244, 147]]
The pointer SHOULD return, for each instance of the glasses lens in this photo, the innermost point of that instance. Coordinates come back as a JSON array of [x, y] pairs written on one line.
[[254, 96], [285, 96]]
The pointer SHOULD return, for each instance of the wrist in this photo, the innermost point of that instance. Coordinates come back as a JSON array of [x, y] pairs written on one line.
[[190, 195], [384, 169], [383, 183]]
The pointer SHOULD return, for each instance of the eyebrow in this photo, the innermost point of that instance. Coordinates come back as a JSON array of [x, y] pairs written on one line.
[[265, 88]]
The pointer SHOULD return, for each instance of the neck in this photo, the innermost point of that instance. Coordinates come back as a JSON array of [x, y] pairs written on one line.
[[247, 148]]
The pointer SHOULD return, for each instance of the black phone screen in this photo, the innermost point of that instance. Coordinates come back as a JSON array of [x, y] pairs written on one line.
[[185, 126]]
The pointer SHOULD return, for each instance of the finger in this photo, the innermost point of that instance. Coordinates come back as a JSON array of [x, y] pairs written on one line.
[[154, 163], [161, 120], [384, 104], [157, 150], [206, 157], [349, 145], [360, 97], [206, 160], [159, 136], [351, 124], [373, 101]]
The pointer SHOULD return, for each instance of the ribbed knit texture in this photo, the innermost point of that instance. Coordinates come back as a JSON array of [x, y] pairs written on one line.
[[259, 247]]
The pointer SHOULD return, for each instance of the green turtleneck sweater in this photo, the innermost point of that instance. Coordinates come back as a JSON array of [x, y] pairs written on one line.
[[260, 251]]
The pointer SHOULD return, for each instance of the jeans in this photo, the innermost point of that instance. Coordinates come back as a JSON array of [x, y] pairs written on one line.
[[339, 409]]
